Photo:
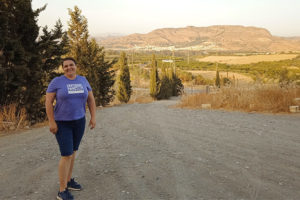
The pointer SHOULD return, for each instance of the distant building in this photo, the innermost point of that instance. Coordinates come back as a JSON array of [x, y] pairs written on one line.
[[168, 61]]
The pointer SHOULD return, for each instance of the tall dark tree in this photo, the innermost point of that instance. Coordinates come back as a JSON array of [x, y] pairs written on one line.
[[53, 44], [78, 36], [165, 86], [90, 58], [218, 81], [24, 56], [177, 86], [124, 87], [154, 78], [100, 74]]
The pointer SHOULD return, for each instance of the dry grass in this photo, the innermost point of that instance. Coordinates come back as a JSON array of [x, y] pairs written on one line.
[[142, 99], [241, 78], [11, 118], [247, 59], [139, 95], [261, 99]]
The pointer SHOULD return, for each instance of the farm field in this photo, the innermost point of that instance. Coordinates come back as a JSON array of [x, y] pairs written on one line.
[[212, 74], [247, 59]]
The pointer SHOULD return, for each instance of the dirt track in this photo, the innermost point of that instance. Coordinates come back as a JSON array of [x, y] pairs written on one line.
[[152, 151]]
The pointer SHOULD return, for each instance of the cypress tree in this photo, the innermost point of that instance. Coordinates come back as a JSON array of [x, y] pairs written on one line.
[[124, 88], [218, 82], [154, 78]]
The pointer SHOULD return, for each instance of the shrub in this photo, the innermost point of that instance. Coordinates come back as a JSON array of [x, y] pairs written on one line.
[[263, 99]]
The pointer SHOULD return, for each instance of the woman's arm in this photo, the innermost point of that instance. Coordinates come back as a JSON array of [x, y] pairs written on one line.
[[92, 108], [50, 113]]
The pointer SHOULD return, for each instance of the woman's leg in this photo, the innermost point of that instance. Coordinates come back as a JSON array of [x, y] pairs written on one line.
[[78, 131], [63, 171], [64, 137], [71, 166]]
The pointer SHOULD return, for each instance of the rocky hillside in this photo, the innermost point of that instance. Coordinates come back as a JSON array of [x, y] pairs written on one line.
[[212, 38]]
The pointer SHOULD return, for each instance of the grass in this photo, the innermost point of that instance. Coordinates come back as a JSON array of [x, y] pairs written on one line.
[[139, 95], [11, 118], [272, 99]]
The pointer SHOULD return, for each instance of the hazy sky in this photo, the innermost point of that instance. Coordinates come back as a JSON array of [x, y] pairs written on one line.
[[280, 17]]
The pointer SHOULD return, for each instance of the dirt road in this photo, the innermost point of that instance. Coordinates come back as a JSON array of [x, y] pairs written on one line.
[[152, 151]]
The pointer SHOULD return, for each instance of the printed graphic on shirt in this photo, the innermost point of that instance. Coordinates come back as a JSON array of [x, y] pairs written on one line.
[[75, 88]]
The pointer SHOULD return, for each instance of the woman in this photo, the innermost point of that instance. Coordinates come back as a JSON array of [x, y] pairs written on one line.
[[67, 120]]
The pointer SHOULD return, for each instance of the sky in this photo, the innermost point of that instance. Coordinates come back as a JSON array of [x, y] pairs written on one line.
[[123, 17]]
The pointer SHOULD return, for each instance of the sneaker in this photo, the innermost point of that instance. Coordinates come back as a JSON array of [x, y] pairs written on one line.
[[65, 195], [73, 185]]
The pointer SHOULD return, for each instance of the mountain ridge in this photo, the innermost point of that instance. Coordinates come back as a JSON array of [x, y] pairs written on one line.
[[212, 38]]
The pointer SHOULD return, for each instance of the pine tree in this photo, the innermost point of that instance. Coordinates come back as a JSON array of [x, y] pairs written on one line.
[[100, 74], [23, 55], [78, 36], [124, 88], [90, 58], [218, 82], [53, 45], [154, 78]]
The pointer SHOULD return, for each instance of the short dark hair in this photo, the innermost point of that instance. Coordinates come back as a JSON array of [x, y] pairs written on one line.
[[67, 58]]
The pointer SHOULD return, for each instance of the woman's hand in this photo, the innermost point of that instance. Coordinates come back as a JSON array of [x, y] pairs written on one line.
[[53, 127], [92, 108], [92, 123]]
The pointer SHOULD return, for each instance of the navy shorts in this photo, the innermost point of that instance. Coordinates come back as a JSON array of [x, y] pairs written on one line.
[[69, 135]]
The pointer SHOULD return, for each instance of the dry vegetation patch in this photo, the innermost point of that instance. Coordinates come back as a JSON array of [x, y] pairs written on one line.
[[242, 79], [247, 59], [11, 118], [262, 99], [139, 95]]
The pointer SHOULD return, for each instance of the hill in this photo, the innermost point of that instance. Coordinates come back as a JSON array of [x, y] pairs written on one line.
[[212, 38]]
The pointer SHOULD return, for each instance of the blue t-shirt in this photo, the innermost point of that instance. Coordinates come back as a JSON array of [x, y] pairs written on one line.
[[71, 97]]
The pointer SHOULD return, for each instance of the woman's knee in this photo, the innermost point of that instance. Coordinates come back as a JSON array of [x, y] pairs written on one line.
[[67, 157]]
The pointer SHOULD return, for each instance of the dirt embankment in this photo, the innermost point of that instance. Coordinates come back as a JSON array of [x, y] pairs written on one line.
[[152, 151]]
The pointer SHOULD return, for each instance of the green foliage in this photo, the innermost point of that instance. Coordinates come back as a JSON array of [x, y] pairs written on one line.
[[218, 82], [124, 88], [170, 84], [55, 42], [90, 58], [226, 81], [177, 86], [154, 79], [285, 78], [100, 74], [26, 61], [78, 40], [200, 80], [266, 70], [185, 76], [137, 72], [165, 88]]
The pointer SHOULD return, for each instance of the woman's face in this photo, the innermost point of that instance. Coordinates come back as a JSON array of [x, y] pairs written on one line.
[[69, 68]]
